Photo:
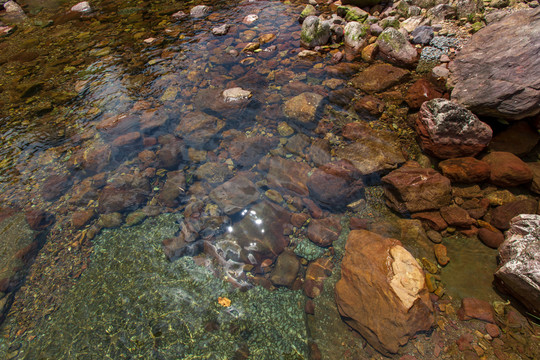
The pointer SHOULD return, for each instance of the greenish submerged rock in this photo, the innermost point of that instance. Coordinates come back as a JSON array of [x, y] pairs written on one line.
[[131, 303]]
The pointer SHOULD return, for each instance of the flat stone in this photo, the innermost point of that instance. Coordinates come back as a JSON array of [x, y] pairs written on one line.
[[507, 169], [379, 77], [466, 170], [235, 195], [304, 109]]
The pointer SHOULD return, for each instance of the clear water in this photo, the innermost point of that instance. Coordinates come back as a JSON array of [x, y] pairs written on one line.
[[112, 293]]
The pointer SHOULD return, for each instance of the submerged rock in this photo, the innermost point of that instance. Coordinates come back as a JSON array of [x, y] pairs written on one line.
[[382, 292], [199, 11], [519, 262], [235, 195], [379, 77], [448, 130], [304, 109], [483, 63], [199, 129]]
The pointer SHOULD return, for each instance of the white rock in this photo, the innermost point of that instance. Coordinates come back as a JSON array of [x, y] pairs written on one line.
[[199, 11], [82, 7], [250, 19], [221, 30], [307, 53], [236, 94]]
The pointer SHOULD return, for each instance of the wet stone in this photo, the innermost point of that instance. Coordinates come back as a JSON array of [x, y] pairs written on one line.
[[323, 232], [304, 109], [235, 194], [246, 152], [379, 77], [472, 308], [198, 129], [287, 176], [507, 169], [501, 216], [214, 173], [174, 186], [170, 155], [285, 270]]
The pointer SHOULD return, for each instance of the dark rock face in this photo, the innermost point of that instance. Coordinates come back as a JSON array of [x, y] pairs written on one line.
[[422, 35], [334, 185], [54, 186], [493, 239], [448, 130], [414, 189], [519, 139], [507, 169], [172, 189], [286, 269], [497, 73], [171, 154], [235, 194], [501, 216], [520, 264], [373, 296]]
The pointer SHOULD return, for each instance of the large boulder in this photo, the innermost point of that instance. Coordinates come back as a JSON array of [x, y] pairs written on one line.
[[519, 271], [413, 189], [497, 73], [314, 32], [395, 48], [448, 130], [382, 292]]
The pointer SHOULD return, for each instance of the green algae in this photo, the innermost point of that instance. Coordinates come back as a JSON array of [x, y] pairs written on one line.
[[132, 303]]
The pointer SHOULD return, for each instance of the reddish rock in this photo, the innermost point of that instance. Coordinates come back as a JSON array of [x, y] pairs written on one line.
[[314, 210], [125, 193], [246, 152], [170, 155], [456, 216], [466, 170], [519, 139], [81, 218], [414, 189], [493, 330], [501, 216], [118, 124], [55, 186], [441, 254], [299, 219], [379, 77], [535, 184], [476, 208], [199, 129], [334, 185], [422, 90], [432, 218], [129, 139], [95, 158], [287, 176], [493, 239], [465, 342], [235, 194], [507, 169], [382, 292], [38, 219], [304, 109], [448, 130], [355, 130], [358, 224], [153, 119], [472, 308], [316, 273], [369, 106], [324, 232], [309, 307]]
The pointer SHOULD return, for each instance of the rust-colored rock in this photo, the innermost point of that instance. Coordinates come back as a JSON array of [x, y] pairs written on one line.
[[316, 273], [492, 239], [324, 232], [507, 169], [441, 254], [422, 90], [501, 216], [414, 189], [519, 139], [456, 216], [287, 176], [382, 292], [379, 77], [432, 218], [467, 170], [81, 218], [472, 308]]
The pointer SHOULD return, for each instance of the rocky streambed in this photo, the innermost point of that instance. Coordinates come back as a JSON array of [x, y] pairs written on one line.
[[270, 180]]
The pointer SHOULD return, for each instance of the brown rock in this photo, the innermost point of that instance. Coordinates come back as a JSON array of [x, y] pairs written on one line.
[[493, 330], [519, 139], [246, 152], [125, 193], [285, 270], [493, 239], [199, 129], [379, 77], [54, 186], [324, 232], [422, 90], [441, 254], [287, 176], [96, 158], [535, 184], [472, 308], [382, 292], [465, 170], [476, 208], [38, 219], [129, 139], [335, 185], [507, 169], [174, 186], [81, 218], [304, 109], [414, 189], [501, 216], [299, 219], [456, 216], [316, 273], [369, 106], [355, 130], [170, 155], [235, 194], [432, 218]]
